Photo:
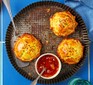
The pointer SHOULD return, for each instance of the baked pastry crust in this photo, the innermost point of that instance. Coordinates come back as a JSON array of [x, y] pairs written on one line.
[[70, 51], [27, 47], [63, 23]]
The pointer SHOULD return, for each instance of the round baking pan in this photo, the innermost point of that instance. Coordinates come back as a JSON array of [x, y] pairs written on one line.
[[34, 19]]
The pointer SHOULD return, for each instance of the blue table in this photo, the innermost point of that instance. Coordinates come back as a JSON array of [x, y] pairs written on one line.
[[10, 75]]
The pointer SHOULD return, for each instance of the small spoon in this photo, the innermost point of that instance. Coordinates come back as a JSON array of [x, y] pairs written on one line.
[[35, 81], [7, 4]]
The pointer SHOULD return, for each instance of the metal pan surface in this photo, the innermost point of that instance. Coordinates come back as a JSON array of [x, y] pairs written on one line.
[[34, 19]]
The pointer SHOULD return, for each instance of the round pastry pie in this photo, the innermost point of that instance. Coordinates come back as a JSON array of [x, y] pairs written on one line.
[[70, 51], [27, 47], [63, 23]]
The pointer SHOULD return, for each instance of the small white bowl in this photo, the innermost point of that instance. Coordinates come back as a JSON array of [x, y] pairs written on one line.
[[59, 68]]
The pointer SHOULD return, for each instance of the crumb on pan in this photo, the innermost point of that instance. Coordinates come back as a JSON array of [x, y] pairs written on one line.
[[48, 9]]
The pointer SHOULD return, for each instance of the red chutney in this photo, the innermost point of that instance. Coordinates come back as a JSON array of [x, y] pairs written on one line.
[[50, 63]]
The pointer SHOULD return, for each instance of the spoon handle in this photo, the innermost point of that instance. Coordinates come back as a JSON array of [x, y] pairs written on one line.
[[7, 4], [35, 81]]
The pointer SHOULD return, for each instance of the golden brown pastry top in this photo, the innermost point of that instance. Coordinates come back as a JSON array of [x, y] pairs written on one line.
[[70, 51], [63, 23], [27, 47]]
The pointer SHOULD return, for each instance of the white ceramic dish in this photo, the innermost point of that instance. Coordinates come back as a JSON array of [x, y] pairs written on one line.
[[59, 67]]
